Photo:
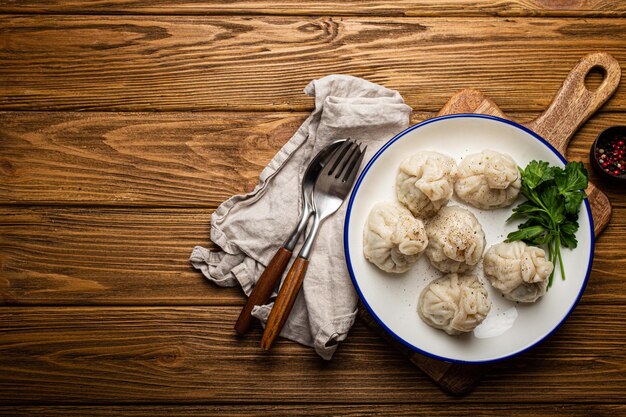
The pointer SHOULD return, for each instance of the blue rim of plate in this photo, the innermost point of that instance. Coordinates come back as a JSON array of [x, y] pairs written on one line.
[[347, 225]]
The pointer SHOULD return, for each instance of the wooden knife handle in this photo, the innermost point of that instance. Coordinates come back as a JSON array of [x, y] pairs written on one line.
[[263, 288], [284, 302], [573, 104]]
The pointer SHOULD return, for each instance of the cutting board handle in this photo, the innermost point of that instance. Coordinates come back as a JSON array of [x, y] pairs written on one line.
[[573, 104]]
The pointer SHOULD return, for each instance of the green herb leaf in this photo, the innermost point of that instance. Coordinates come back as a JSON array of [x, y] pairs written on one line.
[[526, 233], [570, 182], [573, 178], [542, 239], [536, 172], [552, 200], [525, 208], [569, 240], [551, 212], [569, 227], [572, 201]]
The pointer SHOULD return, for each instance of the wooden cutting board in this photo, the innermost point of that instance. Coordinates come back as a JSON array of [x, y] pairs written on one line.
[[572, 105]]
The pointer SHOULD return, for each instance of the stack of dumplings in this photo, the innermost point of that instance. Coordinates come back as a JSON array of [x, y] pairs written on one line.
[[397, 233]]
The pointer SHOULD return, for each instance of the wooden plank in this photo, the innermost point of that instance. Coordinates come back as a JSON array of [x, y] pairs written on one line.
[[164, 159], [338, 410], [180, 159], [262, 63], [105, 256], [510, 8], [191, 355], [117, 256]]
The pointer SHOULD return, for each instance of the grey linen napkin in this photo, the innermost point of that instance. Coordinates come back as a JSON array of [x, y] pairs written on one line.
[[250, 228]]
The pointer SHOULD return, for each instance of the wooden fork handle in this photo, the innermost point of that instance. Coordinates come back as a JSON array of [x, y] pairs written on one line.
[[263, 288], [284, 302]]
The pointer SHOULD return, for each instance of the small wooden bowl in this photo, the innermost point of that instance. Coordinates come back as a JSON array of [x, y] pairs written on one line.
[[602, 142]]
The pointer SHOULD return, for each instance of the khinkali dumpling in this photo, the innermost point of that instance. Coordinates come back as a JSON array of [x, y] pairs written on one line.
[[488, 180], [521, 272], [456, 240], [425, 182], [393, 239], [456, 304]]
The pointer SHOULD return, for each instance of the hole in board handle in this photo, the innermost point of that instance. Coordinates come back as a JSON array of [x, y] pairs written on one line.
[[594, 78]]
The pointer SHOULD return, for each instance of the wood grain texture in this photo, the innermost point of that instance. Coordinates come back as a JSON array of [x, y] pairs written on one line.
[[263, 289], [191, 355], [601, 210], [165, 159], [323, 410], [103, 256], [289, 290], [574, 103], [470, 101], [263, 63], [324, 7], [177, 159]]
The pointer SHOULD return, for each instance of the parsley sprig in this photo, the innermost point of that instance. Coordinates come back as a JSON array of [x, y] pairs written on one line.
[[554, 195]]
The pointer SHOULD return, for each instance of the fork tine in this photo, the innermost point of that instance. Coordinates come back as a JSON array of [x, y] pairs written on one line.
[[347, 158], [336, 158], [354, 167], [338, 168], [331, 151]]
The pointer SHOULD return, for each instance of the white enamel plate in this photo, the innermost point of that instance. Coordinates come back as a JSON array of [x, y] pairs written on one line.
[[392, 298]]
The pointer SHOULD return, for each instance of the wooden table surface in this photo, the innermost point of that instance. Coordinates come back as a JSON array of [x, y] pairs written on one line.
[[123, 125]]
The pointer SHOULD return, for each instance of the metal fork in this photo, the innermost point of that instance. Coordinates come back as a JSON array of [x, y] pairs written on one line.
[[268, 281], [331, 189]]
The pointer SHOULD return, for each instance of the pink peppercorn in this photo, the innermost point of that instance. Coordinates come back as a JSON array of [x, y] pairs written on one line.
[[610, 156]]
